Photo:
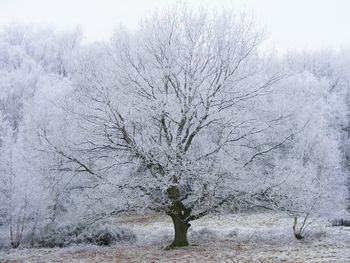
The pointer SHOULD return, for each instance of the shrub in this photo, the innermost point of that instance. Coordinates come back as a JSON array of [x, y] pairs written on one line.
[[101, 234], [341, 222], [232, 234], [203, 234]]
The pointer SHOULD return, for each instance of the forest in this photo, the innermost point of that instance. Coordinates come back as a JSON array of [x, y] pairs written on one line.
[[186, 118]]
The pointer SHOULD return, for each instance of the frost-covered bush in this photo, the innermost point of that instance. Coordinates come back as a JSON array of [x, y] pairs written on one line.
[[204, 234], [232, 234], [101, 234], [341, 222]]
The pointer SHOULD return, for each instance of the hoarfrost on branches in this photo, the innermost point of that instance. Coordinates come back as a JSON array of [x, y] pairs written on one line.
[[185, 116]]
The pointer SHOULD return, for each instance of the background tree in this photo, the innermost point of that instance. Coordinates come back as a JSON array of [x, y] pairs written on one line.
[[308, 172], [30, 70]]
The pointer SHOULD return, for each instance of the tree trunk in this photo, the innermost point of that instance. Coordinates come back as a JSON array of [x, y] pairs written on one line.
[[298, 232], [179, 213], [181, 227], [298, 236]]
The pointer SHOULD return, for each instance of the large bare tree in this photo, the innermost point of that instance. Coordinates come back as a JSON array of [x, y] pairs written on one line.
[[173, 112]]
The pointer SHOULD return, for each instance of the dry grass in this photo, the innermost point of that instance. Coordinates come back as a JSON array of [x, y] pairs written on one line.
[[220, 251]]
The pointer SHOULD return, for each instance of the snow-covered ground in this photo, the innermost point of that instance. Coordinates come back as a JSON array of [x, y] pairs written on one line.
[[242, 237]]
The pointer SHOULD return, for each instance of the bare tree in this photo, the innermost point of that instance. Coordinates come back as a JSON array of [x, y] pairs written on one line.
[[176, 105]]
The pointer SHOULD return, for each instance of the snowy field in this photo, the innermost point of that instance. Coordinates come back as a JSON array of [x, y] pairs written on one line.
[[243, 237]]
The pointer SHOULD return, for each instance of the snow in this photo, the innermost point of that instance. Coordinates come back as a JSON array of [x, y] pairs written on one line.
[[243, 237]]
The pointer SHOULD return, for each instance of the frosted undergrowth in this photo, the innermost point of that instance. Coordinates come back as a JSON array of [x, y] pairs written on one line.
[[230, 238]]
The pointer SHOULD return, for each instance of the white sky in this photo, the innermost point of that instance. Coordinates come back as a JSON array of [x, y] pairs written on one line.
[[311, 24]]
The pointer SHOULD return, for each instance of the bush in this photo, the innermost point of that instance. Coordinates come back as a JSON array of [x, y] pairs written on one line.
[[232, 234], [203, 234], [101, 234], [341, 222]]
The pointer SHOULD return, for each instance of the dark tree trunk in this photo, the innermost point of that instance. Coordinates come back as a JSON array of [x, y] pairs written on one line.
[[298, 236], [179, 213], [298, 233], [181, 227]]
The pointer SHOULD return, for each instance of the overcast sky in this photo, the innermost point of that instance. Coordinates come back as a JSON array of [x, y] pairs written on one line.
[[311, 24]]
